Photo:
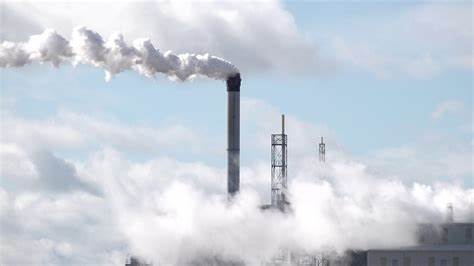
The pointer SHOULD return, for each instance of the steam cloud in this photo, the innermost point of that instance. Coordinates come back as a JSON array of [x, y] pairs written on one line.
[[178, 223], [171, 217], [114, 55]]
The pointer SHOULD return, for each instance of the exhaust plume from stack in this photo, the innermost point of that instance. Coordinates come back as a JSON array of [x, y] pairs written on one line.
[[114, 55]]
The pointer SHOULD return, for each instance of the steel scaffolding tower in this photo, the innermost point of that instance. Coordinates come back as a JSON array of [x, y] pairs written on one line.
[[322, 151], [279, 167]]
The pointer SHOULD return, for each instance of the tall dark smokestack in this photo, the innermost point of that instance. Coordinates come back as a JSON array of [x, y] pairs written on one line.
[[233, 134]]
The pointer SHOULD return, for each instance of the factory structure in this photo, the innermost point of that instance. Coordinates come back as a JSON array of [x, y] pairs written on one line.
[[279, 181], [447, 244]]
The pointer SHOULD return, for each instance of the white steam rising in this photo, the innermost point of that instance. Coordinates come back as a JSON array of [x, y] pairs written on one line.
[[172, 221], [114, 55]]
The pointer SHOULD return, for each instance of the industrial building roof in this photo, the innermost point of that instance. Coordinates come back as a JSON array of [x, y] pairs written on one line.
[[429, 248]]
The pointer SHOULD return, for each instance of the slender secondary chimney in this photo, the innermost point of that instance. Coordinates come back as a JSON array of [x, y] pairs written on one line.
[[233, 134], [283, 124]]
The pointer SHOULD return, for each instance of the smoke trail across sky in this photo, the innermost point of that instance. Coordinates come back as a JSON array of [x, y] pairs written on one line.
[[114, 55]]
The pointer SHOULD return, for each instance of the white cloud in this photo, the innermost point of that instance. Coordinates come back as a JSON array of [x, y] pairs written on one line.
[[423, 67], [362, 57], [445, 159], [66, 131], [420, 42], [39, 171], [447, 107], [72, 228], [15, 163], [57, 175]]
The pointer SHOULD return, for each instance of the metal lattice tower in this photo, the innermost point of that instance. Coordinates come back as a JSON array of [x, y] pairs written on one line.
[[279, 167], [322, 151]]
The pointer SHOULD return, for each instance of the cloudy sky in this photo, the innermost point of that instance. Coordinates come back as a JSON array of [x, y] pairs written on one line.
[[92, 170]]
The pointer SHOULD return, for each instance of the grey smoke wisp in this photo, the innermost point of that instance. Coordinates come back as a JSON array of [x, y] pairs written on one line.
[[113, 55]]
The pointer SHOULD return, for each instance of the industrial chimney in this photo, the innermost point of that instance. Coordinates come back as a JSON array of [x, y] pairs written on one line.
[[233, 134]]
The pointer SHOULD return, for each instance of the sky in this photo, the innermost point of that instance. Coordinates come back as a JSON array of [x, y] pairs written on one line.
[[388, 84]]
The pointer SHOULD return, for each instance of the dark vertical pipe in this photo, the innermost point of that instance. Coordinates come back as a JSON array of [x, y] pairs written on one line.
[[282, 124], [233, 134]]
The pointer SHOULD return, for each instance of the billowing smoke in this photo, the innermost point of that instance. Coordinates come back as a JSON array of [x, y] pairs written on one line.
[[114, 55], [171, 221]]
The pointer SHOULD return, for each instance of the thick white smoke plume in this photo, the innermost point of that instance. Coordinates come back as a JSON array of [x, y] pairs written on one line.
[[114, 55]]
